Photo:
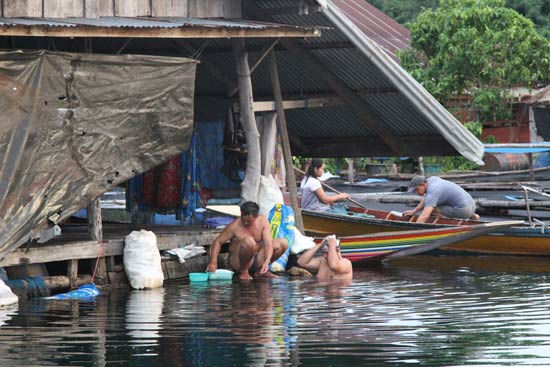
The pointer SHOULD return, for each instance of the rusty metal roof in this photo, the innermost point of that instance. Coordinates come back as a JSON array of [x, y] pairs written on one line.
[[142, 27], [376, 25]]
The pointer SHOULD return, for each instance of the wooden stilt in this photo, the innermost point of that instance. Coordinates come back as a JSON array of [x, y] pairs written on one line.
[[73, 273], [287, 155], [251, 183], [351, 177], [94, 220], [531, 171]]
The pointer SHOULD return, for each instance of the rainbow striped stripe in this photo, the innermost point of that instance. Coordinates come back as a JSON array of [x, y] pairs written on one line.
[[363, 247]]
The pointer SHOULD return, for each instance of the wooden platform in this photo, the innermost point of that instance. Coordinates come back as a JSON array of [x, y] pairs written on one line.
[[74, 243]]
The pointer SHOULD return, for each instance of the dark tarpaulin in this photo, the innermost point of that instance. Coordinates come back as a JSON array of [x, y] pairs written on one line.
[[75, 125]]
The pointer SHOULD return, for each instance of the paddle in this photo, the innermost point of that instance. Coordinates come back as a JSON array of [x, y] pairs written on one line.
[[333, 189]]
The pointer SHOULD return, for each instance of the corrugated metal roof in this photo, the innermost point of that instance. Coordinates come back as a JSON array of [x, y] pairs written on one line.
[[360, 49], [376, 25], [48, 26]]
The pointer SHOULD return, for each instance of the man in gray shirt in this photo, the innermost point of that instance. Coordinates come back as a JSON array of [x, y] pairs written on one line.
[[441, 197]]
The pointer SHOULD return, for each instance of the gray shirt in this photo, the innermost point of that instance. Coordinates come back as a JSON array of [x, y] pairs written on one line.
[[442, 192]]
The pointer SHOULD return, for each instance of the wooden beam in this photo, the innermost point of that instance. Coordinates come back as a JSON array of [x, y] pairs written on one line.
[[310, 46], [251, 183], [263, 53], [264, 106], [287, 155], [146, 32], [90, 249], [359, 104]]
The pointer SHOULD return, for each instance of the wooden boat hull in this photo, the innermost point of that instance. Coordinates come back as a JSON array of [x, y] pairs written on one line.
[[516, 240], [384, 245]]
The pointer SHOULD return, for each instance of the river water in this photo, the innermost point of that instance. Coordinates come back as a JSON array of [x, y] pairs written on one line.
[[424, 310]]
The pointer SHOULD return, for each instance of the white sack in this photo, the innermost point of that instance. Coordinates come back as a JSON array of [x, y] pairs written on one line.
[[142, 260], [7, 297], [269, 195], [301, 243]]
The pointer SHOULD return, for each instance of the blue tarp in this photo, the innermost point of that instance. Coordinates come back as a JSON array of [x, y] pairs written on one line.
[[516, 150]]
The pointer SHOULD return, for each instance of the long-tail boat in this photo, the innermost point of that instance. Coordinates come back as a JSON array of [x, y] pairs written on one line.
[[518, 239], [378, 246], [385, 245]]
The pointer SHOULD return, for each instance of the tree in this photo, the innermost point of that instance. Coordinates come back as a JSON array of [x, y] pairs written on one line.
[[478, 47], [405, 11], [536, 10]]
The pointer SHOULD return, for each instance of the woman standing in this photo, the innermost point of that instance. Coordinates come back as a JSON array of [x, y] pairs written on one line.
[[313, 195]]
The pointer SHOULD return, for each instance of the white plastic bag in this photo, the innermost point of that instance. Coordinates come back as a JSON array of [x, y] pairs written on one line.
[[301, 243], [7, 297], [142, 260], [269, 195]]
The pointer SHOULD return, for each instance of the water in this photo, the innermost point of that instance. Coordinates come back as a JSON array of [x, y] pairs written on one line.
[[428, 311]]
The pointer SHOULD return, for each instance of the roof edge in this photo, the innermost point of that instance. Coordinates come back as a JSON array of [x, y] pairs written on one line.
[[423, 101]]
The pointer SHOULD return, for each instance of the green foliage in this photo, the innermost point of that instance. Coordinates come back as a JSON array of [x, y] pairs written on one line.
[[332, 165], [405, 11], [536, 10], [478, 46]]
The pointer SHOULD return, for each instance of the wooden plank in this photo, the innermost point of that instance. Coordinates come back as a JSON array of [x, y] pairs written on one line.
[[263, 106], [170, 8], [22, 8], [90, 249], [189, 32], [206, 9], [232, 9], [132, 8], [63, 8], [99, 8], [287, 155]]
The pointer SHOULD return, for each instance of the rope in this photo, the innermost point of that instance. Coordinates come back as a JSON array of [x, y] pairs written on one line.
[[97, 261]]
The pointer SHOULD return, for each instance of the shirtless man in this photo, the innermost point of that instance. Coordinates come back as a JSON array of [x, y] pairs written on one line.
[[251, 247], [331, 266]]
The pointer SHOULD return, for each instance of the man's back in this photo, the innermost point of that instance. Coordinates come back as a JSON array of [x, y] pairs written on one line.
[[443, 192]]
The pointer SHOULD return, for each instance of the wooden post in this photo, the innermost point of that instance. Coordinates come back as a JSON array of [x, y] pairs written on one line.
[[351, 177], [73, 273], [287, 156], [421, 166], [531, 170], [95, 226], [251, 183]]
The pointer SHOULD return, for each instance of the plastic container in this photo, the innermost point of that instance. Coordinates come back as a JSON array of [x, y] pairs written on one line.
[[198, 277], [221, 274]]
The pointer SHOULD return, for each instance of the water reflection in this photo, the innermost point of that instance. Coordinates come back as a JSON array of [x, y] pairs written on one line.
[[438, 315], [143, 315]]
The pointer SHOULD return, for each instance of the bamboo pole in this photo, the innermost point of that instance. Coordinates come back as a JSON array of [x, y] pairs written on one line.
[[287, 156]]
